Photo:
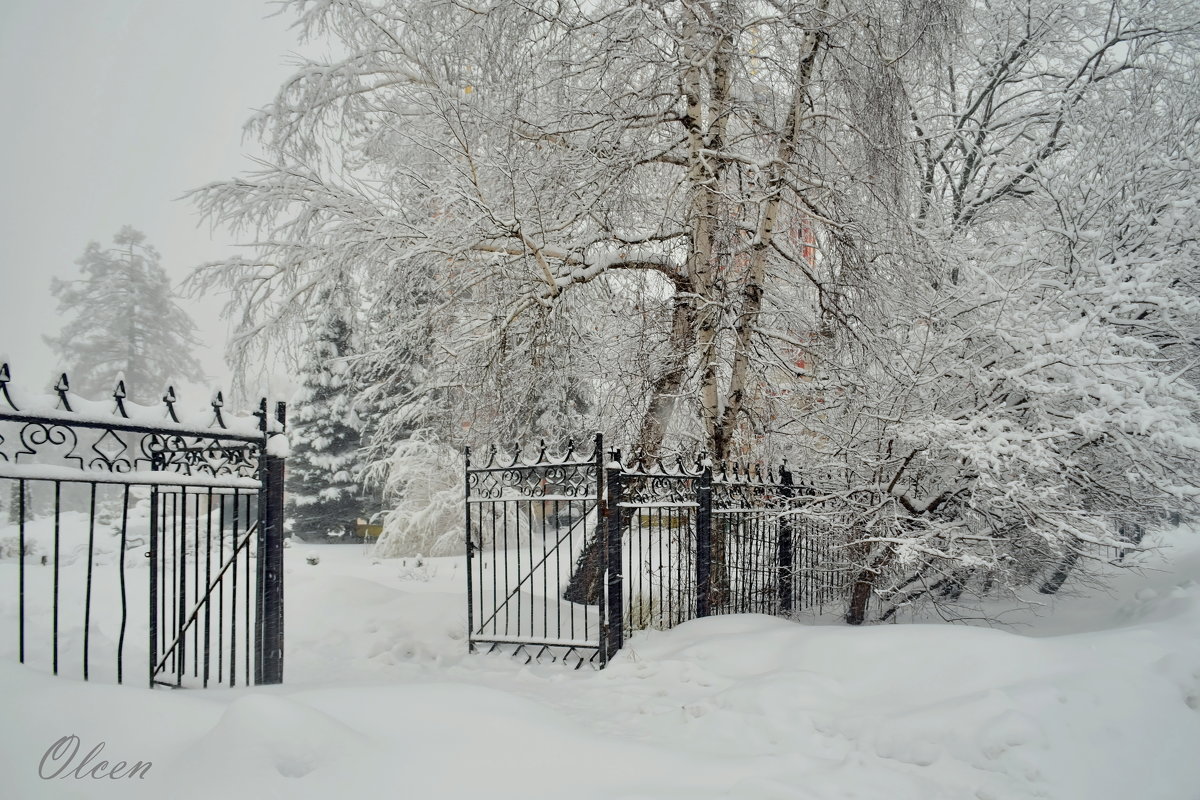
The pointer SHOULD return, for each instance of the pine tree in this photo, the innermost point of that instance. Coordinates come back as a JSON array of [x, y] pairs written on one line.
[[325, 491], [126, 321]]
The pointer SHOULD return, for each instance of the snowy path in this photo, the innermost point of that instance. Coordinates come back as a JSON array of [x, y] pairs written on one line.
[[382, 701]]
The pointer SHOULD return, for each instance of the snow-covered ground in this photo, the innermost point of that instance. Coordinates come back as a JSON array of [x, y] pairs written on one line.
[[1099, 700]]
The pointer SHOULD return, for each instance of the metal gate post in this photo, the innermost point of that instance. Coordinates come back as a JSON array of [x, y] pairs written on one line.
[[786, 565], [268, 661], [613, 629], [155, 464], [704, 541], [467, 514]]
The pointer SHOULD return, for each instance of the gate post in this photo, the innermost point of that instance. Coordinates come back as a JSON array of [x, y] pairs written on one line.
[[704, 541], [156, 464], [786, 565], [268, 661], [470, 545], [613, 629]]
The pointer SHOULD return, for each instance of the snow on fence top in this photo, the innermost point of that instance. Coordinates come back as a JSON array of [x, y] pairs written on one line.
[[52, 435], [64, 405]]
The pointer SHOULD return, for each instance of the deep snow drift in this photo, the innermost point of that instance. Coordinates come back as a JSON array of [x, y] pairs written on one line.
[[1099, 700]]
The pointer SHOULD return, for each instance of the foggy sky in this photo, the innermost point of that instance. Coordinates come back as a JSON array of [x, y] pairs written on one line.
[[112, 109]]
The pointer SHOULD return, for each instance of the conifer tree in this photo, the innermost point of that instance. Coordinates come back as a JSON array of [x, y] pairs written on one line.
[[124, 321], [325, 469]]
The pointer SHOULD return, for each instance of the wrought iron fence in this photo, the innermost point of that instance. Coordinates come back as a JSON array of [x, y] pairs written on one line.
[[98, 492], [565, 556]]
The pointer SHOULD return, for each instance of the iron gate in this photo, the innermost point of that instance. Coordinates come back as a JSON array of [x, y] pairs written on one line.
[[526, 524], [616, 546], [98, 491]]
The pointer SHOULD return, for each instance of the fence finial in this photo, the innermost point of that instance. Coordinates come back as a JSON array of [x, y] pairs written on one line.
[[5, 377], [119, 396], [541, 451], [218, 402], [62, 387], [169, 401], [570, 449]]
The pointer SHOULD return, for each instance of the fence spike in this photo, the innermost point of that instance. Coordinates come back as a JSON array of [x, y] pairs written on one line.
[[516, 454], [119, 396], [5, 377], [218, 403], [491, 455], [169, 401], [541, 451], [570, 450], [62, 387]]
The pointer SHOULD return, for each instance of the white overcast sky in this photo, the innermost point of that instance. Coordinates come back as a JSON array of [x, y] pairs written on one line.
[[112, 109]]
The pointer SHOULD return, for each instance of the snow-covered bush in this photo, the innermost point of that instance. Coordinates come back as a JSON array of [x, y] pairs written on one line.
[[425, 480]]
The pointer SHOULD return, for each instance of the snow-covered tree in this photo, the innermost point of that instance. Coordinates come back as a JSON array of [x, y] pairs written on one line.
[[125, 321], [872, 233], [325, 480]]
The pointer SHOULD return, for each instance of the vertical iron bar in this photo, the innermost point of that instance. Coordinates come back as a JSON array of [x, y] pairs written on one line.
[[614, 623], [221, 589], [154, 577], [786, 557], [21, 567], [467, 532], [57, 527], [179, 527], [246, 627], [207, 583], [704, 542], [234, 550], [87, 594], [196, 593], [124, 594]]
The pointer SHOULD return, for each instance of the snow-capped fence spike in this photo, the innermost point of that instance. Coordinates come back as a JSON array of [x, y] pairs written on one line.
[[5, 377], [169, 401], [516, 458], [218, 402], [541, 457], [62, 387], [570, 450], [119, 397]]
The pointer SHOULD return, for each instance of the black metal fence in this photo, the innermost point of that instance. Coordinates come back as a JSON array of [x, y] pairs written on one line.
[[138, 537], [567, 555]]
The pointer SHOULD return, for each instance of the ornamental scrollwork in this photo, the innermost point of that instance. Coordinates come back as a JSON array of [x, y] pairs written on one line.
[[533, 481]]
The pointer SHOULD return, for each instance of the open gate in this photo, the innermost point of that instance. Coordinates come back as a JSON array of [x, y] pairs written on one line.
[[526, 525], [97, 492], [566, 556]]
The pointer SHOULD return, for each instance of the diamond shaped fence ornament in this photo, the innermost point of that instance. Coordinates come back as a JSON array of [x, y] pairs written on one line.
[[109, 448]]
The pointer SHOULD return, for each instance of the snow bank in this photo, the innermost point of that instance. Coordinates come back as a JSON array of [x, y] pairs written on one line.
[[381, 700]]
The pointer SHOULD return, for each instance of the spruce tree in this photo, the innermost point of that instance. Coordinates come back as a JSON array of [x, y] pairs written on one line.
[[325, 469], [125, 320]]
